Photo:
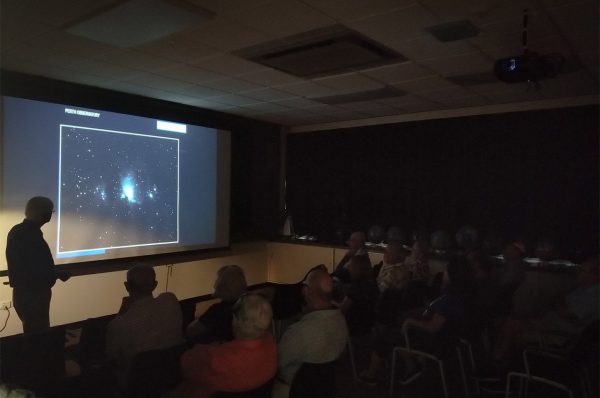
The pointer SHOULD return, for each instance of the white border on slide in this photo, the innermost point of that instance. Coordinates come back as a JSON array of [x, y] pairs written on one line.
[[58, 252]]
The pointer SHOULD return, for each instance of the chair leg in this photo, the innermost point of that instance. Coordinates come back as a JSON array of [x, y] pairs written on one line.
[[443, 376], [462, 370], [352, 361], [393, 373]]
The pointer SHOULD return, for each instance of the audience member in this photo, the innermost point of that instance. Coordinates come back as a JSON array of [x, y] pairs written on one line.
[[576, 310], [417, 262], [485, 288], [319, 336], [444, 319], [144, 322], [394, 257], [360, 296], [509, 276], [31, 271], [357, 251], [215, 324], [246, 363]]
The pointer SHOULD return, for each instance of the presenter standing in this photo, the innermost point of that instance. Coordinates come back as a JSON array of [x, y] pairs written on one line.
[[31, 269]]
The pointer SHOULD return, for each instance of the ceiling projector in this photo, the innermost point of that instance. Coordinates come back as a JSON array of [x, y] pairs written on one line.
[[528, 67]]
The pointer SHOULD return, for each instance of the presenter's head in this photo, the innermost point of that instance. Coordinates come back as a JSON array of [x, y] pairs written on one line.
[[141, 281], [39, 209]]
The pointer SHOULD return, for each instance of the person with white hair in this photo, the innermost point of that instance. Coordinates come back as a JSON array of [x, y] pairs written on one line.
[[246, 363], [31, 271], [215, 324]]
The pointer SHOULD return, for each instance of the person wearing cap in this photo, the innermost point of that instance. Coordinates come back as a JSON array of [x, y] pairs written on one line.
[[31, 271]]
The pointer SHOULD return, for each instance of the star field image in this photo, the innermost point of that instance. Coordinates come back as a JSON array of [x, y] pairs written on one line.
[[116, 189]]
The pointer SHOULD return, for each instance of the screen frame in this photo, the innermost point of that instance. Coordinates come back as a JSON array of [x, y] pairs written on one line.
[[71, 94]]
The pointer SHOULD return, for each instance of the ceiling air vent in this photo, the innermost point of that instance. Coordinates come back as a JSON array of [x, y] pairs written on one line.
[[452, 31], [322, 52]]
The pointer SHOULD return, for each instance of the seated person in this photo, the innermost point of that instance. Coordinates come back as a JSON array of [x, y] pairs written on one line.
[[444, 318], [569, 316], [144, 322], [418, 261], [215, 324], [360, 297], [394, 257], [319, 336], [485, 288], [356, 250], [509, 276], [246, 363]]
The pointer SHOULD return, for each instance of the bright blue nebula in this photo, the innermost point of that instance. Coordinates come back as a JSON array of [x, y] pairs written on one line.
[[128, 189]]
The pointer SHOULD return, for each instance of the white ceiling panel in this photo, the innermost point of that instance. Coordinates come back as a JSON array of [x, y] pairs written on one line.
[[268, 94], [426, 46], [225, 35], [424, 84], [307, 89], [190, 74], [228, 65], [269, 77]]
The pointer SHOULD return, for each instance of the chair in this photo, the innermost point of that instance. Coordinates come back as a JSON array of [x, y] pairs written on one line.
[[314, 380], [569, 367], [438, 360], [155, 372], [263, 391], [35, 361]]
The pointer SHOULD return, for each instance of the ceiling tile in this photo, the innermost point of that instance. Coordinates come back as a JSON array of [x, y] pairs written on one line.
[[426, 46], [460, 64], [227, 7], [237, 100], [479, 12], [424, 84], [349, 83], [408, 103], [226, 35], [265, 107], [231, 85], [136, 60], [440, 94], [178, 48], [228, 65], [577, 83], [269, 77], [307, 89], [190, 74], [282, 18], [580, 15], [402, 23], [297, 102], [463, 102], [398, 72], [159, 82], [268, 94], [199, 91], [344, 10]]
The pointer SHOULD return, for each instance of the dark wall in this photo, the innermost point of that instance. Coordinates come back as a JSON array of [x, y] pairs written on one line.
[[255, 145], [531, 173]]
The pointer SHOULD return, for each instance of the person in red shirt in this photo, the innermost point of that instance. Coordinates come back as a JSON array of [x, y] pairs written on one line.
[[246, 363]]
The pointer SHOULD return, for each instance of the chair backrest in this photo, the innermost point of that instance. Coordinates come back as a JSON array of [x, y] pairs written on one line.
[[314, 380], [155, 372], [263, 391]]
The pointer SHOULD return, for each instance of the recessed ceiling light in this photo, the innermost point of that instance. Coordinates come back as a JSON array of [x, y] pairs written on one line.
[[135, 22]]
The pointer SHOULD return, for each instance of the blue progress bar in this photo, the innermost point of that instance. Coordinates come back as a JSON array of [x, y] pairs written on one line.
[[81, 253]]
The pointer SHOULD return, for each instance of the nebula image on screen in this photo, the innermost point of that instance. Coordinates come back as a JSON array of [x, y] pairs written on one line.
[[117, 189]]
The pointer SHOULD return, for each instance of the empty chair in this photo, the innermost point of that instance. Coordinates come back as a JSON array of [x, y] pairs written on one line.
[[314, 380], [154, 372]]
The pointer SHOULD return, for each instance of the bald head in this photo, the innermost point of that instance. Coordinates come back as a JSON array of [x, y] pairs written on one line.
[[141, 280], [318, 289]]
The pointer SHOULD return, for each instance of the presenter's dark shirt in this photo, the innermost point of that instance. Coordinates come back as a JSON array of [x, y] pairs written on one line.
[[28, 256]]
